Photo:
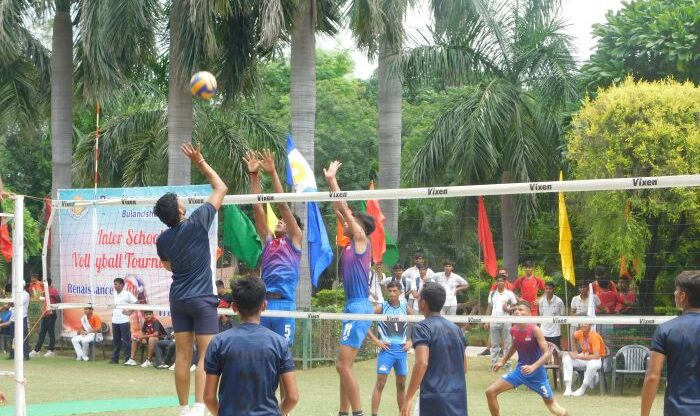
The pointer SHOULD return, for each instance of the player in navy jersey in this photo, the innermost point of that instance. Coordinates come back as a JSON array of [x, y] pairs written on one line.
[[533, 352], [281, 252], [357, 255], [394, 345], [184, 250], [245, 364]]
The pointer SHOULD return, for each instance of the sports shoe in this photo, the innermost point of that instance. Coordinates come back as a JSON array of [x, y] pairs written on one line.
[[172, 367], [485, 352], [184, 411], [162, 366], [567, 392], [49, 353], [33, 353], [192, 368], [147, 364], [131, 362], [79, 358], [580, 392], [197, 410], [86, 358]]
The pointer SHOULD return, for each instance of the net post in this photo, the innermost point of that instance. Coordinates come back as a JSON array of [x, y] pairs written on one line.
[[18, 288]]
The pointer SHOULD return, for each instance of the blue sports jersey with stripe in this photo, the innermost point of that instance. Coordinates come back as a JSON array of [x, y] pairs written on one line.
[[393, 332], [356, 271], [280, 267]]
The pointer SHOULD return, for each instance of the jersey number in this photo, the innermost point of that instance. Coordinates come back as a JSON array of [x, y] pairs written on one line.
[[287, 331], [396, 326], [346, 330]]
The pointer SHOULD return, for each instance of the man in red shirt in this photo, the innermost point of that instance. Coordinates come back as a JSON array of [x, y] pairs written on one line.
[[601, 273], [504, 273], [608, 299], [627, 298], [48, 323], [527, 287]]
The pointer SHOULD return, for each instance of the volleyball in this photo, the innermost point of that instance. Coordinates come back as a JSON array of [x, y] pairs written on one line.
[[203, 85]]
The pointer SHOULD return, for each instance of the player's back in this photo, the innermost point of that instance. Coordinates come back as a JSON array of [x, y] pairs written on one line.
[[280, 267], [526, 344], [250, 360]]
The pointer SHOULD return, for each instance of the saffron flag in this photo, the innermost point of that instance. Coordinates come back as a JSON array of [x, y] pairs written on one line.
[[340, 239], [567, 258], [377, 237], [270, 218], [5, 240], [240, 236], [486, 240], [301, 177]]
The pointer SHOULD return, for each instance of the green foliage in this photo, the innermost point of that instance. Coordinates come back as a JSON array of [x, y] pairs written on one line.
[[33, 237], [648, 39], [328, 300]]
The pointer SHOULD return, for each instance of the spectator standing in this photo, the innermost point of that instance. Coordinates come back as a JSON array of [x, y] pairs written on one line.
[[608, 299], [601, 273], [677, 341], [121, 322], [453, 284], [376, 277], [225, 299], [627, 298], [36, 287], [551, 305], [527, 287], [509, 285], [418, 284], [501, 301], [591, 349], [48, 324], [410, 276], [396, 272], [579, 303], [24, 297]]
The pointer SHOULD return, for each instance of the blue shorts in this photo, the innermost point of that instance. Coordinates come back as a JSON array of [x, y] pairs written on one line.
[[281, 326], [354, 332], [395, 358], [196, 315], [536, 381]]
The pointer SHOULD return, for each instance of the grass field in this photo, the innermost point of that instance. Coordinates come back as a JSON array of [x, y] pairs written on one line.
[[64, 386]]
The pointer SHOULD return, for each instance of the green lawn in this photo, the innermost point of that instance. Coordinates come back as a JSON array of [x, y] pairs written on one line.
[[61, 379]]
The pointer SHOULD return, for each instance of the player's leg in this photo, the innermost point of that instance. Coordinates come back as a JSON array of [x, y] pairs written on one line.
[[377, 392], [401, 371], [495, 332], [206, 325], [151, 348], [184, 345], [554, 407], [567, 367], [492, 392], [400, 390], [349, 389], [589, 375]]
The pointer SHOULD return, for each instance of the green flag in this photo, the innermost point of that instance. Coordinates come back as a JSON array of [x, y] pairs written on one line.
[[240, 236], [391, 255]]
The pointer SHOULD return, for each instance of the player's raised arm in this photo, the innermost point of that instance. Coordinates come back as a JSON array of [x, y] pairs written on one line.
[[219, 188], [251, 160], [342, 208], [267, 162]]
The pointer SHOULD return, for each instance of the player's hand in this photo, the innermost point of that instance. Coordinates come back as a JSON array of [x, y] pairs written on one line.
[[192, 153], [407, 346], [251, 160], [527, 369], [4, 194], [573, 355], [500, 363], [382, 345], [3, 399], [332, 170], [267, 161], [406, 409]]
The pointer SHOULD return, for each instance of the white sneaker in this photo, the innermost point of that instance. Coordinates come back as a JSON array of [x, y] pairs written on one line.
[[197, 410], [49, 353], [33, 353], [172, 367], [580, 392], [147, 364], [131, 362], [567, 392], [163, 366], [86, 358], [79, 358], [184, 411], [192, 368]]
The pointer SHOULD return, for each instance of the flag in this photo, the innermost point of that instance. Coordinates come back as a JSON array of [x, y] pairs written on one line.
[[377, 237], [301, 177], [391, 255], [591, 304], [270, 218], [5, 240], [240, 236], [567, 258], [486, 240], [340, 239]]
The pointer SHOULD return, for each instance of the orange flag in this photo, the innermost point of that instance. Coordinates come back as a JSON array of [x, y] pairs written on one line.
[[5, 241], [340, 239], [377, 238]]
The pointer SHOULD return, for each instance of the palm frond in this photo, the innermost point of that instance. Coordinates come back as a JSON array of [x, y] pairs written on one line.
[[19, 98], [12, 22]]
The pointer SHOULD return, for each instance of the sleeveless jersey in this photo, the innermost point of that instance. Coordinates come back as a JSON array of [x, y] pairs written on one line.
[[356, 272], [280, 267], [393, 332], [526, 344]]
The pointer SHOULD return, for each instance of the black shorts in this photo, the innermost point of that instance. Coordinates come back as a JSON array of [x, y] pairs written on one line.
[[195, 314]]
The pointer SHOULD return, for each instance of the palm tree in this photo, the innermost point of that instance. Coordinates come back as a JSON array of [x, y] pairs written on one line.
[[512, 71], [378, 28]]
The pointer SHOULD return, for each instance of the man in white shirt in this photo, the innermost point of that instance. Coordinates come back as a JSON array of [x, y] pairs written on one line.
[[25, 308], [579, 304], [121, 327], [452, 283], [396, 272], [376, 277], [551, 305], [416, 286], [409, 277], [501, 301]]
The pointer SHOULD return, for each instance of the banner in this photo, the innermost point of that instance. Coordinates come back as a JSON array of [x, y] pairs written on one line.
[[101, 243]]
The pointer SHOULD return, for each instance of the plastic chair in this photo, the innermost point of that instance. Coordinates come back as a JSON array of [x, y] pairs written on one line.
[[554, 364], [100, 340], [634, 359]]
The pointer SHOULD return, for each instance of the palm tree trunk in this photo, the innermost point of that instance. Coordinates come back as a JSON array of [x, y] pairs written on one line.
[[390, 94], [179, 106], [303, 103], [509, 232], [61, 115]]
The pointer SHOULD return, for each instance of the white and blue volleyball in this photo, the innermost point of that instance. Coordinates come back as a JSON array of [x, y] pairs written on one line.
[[203, 85]]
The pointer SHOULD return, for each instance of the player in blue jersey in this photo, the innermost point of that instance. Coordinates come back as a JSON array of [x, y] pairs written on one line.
[[245, 364], [281, 251], [357, 226], [533, 353], [394, 345]]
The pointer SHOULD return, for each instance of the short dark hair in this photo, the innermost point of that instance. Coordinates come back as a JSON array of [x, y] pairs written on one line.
[[366, 221], [219, 282], [550, 284], [501, 276], [89, 307], [298, 220], [524, 303], [528, 263], [604, 283], [448, 262], [145, 312], [395, 284], [689, 282], [248, 293], [434, 296], [167, 209], [418, 254], [119, 280], [600, 271], [397, 266], [582, 284]]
